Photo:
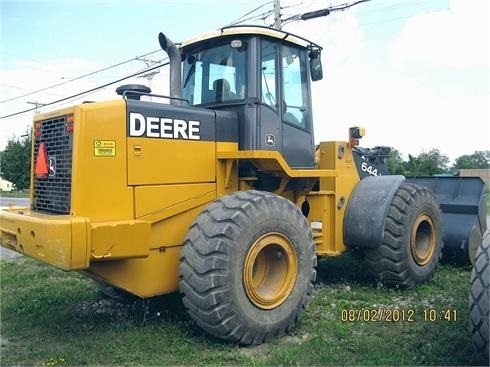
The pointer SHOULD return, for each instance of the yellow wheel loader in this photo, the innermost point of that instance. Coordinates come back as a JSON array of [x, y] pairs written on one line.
[[219, 191]]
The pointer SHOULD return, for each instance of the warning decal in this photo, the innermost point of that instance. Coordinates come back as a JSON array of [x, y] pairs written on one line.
[[104, 148]]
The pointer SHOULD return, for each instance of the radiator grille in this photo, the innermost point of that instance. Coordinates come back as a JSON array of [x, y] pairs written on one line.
[[52, 193]]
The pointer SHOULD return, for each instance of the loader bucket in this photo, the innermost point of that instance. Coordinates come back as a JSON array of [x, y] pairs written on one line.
[[463, 204]]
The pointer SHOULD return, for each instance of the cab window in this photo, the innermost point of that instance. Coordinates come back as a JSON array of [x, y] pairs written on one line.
[[214, 75], [268, 73], [294, 86]]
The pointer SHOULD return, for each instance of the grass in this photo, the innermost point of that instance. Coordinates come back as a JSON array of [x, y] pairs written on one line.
[[488, 201], [49, 317]]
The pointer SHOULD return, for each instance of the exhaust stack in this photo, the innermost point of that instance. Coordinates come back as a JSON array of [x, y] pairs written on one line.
[[175, 68]]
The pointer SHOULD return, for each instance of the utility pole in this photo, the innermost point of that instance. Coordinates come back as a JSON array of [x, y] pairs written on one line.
[[36, 106], [277, 14], [148, 63]]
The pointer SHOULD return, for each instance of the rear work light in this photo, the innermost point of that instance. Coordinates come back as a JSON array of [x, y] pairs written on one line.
[[37, 129], [70, 119]]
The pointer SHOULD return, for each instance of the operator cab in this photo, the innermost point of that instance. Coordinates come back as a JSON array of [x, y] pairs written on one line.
[[263, 75]]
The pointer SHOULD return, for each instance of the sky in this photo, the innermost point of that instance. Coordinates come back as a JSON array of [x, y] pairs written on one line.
[[414, 73]]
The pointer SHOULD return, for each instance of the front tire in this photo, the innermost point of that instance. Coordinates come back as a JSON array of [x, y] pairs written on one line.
[[479, 300], [412, 239], [247, 267]]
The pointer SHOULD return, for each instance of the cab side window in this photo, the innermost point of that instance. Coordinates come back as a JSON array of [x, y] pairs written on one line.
[[294, 87], [268, 74]]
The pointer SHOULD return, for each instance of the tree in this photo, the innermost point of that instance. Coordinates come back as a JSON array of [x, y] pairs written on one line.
[[15, 161], [395, 163], [480, 159], [425, 164]]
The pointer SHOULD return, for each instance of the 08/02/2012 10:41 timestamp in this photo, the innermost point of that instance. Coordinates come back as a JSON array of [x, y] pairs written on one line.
[[398, 315]]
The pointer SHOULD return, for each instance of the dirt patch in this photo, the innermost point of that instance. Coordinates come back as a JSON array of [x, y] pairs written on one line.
[[256, 351], [262, 351], [9, 255]]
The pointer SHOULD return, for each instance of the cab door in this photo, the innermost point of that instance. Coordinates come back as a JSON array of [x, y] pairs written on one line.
[[285, 113], [297, 130]]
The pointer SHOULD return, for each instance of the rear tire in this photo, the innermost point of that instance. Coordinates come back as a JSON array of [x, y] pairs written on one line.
[[247, 267], [479, 300], [412, 239]]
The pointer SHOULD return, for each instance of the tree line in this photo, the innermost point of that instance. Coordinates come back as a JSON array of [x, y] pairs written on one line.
[[15, 162], [434, 162]]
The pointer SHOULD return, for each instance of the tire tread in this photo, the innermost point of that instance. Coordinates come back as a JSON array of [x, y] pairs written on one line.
[[479, 300], [389, 262], [205, 258]]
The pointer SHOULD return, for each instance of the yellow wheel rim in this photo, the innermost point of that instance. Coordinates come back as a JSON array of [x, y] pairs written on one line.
[[270, 271], [423, 240]]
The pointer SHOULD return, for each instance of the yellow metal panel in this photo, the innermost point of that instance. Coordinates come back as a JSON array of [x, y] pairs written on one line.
[[46, 238], [322, 211], [99, 184], [222, 146], [168, 161], [158, 273], [119, 240], [147, 277], [328, 205], [164, 198], [226, 169], [274, 162], [53, 114]]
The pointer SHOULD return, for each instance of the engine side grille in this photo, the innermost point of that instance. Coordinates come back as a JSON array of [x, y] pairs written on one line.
[[52, 193]]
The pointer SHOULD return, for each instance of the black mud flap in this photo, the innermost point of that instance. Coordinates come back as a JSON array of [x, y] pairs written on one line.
[[366, 210], [463, 204]]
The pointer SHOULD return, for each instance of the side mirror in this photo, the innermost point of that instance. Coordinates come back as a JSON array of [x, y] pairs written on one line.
[[316, 70]]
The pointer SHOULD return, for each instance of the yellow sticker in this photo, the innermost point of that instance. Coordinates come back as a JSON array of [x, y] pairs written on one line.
[[105, 148]]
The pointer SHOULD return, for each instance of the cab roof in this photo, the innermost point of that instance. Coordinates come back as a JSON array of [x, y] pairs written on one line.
[[252, 30]]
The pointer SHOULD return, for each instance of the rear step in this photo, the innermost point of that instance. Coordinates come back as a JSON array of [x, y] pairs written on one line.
[[317, 231], [464, 211]]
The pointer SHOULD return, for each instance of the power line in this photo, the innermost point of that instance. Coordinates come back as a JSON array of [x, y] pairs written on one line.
[[87, 91], [262, 16], [237, 21], [78, 77], [241, 20], [314, 14], [13, 87]]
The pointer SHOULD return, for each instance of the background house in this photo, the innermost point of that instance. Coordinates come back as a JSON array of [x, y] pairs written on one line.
[[6, 185]]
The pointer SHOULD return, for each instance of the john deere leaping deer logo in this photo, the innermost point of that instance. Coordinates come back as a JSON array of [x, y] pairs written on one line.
[[52, 166], [270, 140]]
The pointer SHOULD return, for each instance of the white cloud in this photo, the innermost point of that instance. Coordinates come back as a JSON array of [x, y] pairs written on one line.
[[27, 76], [398, 100], [417, 97], [454, 38]]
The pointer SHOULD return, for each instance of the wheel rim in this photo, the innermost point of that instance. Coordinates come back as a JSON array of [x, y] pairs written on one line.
[[270, 271], [423, 240]]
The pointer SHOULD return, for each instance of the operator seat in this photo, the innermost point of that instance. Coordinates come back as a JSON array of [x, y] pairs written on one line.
[[222, 90]]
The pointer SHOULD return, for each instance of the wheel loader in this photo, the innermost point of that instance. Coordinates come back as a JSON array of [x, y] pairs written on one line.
[[219, 190]]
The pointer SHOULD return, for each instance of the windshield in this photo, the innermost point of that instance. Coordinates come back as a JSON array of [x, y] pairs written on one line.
[[214, 75]]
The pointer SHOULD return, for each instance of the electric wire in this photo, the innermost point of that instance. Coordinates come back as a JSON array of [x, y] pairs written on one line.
[[262, 16], [239, 20], [78, 77], [243, 18], [87, 91]]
